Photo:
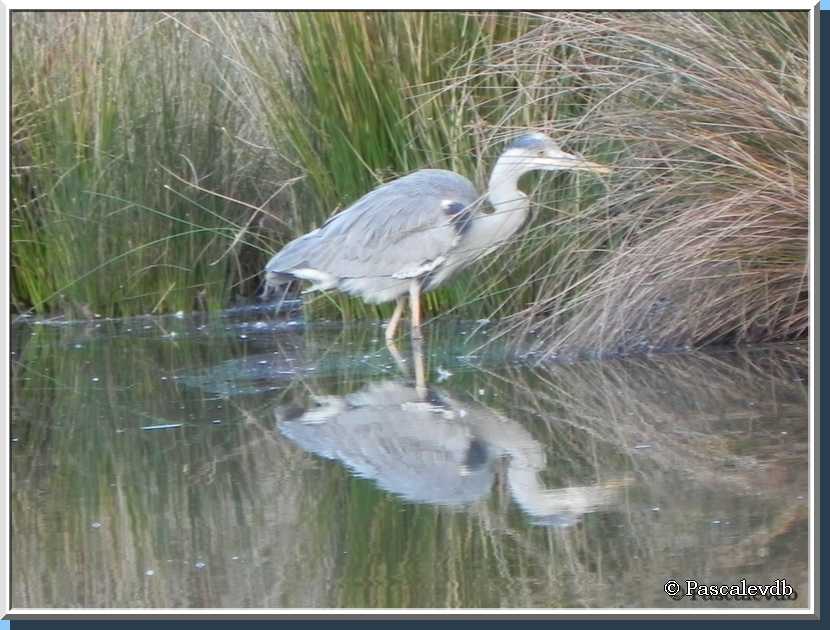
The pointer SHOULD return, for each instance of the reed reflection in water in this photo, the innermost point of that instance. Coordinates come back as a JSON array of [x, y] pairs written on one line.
[[587, 484]]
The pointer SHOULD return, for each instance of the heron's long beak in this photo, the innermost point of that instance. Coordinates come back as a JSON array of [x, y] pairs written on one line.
[[561, 161], [599, 169], [575, 163]]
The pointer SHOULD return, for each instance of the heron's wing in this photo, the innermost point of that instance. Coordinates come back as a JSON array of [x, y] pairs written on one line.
[[397, 230]]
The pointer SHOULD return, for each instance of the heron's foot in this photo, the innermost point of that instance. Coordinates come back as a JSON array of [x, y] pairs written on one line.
[[417, 333]]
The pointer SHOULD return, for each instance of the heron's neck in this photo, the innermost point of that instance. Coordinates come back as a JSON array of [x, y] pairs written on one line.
[[510, 206], [528, 491]]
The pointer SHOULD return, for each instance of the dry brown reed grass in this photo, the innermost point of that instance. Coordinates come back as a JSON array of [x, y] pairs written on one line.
[[701, 234]]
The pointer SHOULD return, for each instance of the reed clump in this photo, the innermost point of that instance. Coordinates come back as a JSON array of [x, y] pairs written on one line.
[[701, 234], [159, 158], [121, 124]]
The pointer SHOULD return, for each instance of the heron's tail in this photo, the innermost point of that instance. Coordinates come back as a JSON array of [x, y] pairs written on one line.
[[276, 290]]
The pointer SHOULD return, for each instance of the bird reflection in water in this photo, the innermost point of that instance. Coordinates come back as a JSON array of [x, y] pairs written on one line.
[[421, 444]]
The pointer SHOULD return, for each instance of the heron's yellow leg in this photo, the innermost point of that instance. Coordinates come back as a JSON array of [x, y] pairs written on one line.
[[419, 366], [392, 326], [415, 309]]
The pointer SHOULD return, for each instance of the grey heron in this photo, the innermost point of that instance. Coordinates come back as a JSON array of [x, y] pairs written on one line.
[[411, 234]]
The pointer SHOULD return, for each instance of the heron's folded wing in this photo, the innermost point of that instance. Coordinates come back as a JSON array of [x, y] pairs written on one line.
[[398, 229]]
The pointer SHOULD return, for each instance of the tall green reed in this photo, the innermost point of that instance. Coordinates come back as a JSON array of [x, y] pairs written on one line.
[[105, 106]]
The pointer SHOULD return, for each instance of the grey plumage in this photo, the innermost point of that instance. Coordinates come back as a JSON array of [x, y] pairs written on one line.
[[533, 142]]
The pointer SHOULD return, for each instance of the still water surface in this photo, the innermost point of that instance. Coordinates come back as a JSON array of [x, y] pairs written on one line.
[[243, 462]]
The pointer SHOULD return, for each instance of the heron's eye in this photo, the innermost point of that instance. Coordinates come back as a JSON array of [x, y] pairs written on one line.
[[541, 153]]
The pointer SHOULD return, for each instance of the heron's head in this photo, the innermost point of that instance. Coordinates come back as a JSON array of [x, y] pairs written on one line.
[[538, 152]]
